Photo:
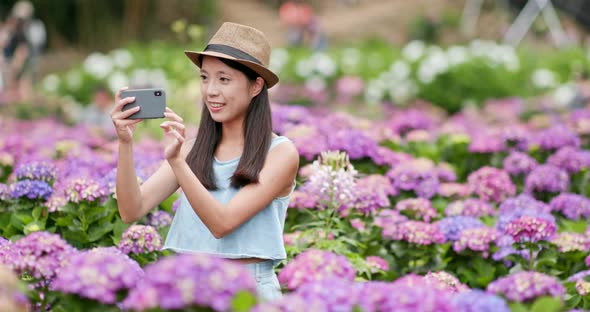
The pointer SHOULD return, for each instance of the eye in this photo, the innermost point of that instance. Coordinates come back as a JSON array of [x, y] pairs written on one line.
[[203, 77], [224, 79]]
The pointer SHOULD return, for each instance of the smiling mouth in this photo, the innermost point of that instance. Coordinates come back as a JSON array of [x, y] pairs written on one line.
[[216, 105]]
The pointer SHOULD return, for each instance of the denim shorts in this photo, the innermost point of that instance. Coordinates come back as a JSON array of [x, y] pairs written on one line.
[[267, 283]]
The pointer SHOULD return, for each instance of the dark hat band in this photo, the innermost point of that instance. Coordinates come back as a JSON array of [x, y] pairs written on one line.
[[231, 51]]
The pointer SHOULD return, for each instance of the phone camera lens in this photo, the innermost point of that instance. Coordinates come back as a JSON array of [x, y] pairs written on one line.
[[158, 93]]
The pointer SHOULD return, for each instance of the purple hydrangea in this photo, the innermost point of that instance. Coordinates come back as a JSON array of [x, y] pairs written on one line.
[[446, 173], [490, 183], [388, 218], [547, 178], [470, 207], [98, 275], [484, 142], [385, 156], [291, 303], [530, 229], [8, 253], [523, 202], [138, 239], [41, 254], [582, 286], [352, 141], [418, 175], [81, 189], [479, 301], [37, 170], [159, 219], [377, 263], [373, 193], [570, 159], [453, 190], [302, 200], [555, 138], [414, 232], [183, 281], [4, 192], [525, 286], [337, 294], [416, 208], [34, 190], [314, 265], [477, 239], [517, 163], [445, 281], [572, 206], [566, 241], [285, 116], [410, 120], [451, 227], [308, 139], [55, 203]]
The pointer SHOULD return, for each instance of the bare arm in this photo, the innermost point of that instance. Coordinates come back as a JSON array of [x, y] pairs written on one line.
[[277, 175]]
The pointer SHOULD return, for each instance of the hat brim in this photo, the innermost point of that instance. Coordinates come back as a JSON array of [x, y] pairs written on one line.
[[269, 77]]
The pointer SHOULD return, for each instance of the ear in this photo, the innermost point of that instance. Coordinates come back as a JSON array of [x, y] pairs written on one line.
[[256, 87]]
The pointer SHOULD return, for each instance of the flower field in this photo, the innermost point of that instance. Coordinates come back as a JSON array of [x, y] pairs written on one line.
[[421, 209]]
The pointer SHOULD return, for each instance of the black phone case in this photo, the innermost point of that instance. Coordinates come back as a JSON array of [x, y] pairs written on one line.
[[152, 105]]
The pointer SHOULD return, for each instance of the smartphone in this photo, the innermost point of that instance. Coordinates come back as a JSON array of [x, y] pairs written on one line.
[[151, 101]]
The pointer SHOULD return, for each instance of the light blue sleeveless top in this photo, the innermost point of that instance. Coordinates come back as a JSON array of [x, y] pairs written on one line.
[[260, 237]]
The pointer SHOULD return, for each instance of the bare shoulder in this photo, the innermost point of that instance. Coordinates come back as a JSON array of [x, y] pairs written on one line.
[[285, 153]]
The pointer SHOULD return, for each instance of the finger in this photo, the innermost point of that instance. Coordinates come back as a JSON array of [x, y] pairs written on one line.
[[176, 125], [128, 122], [125, 114], [179, 137], [173, 116], [119, 106], [118, 95]]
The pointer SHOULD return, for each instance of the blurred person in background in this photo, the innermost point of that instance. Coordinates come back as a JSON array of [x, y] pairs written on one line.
[[97, 114], [303, 26], [21, 38]]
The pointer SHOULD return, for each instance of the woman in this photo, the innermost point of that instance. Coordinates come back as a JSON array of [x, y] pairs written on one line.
[[236, 176]]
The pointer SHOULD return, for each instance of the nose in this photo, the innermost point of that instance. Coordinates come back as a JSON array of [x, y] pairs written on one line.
[[211, 89]]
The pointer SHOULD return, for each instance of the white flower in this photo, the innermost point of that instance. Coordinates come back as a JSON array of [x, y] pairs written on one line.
[[278, 59], [50, 83], [414, 50], [351, 59], [400, 70], [403, 91], [303, 68], [564, 94], [98, 65], [122, 58], [324, 64], [457, 55], [139, 77], [543, 78], [117, 80], [374, 92]]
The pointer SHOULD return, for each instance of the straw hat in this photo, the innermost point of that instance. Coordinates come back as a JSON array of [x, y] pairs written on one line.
[[243, 44]]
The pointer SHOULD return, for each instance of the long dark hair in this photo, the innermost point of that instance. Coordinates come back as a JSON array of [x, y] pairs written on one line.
[[257, 138]]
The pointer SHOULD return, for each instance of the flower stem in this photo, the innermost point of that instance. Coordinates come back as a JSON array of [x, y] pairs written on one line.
[[531, 259]]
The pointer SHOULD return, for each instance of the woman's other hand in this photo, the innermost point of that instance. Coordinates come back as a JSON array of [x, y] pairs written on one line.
[[175, 129]]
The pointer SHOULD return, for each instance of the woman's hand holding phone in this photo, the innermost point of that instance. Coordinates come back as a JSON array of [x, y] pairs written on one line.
[[174, 128], [123, 126]]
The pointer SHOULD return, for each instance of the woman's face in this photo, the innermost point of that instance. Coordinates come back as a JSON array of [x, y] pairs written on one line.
[[227, 92]]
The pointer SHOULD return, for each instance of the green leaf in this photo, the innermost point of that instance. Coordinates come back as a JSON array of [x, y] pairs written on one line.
[[547, 304], [243, 301], [97, 232], [517, 307]]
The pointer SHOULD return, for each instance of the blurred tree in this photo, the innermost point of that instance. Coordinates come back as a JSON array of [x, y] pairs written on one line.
[[102, 25]]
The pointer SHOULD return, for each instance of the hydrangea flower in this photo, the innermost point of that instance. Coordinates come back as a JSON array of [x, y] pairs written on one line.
[[377, 263], [570, 159], [41, 254], [159, 219], [55, 202], [352, 141], [418, 175], [414, 232], [98, 275], [476, 239], [454, 190], [82, 189], [4, 192], [530, 229], [547, 178], [525, 286], [37, 171], [470, 207], [417, 208], [582, 286], [517, 163], [183, 281], [314, 265], [34, 190], [490, 183], [572, 206], [523, 202], [445, 281], [566, 242], [556, 137], [138, 239], [479, 301], [373, 193], [451, 227]]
